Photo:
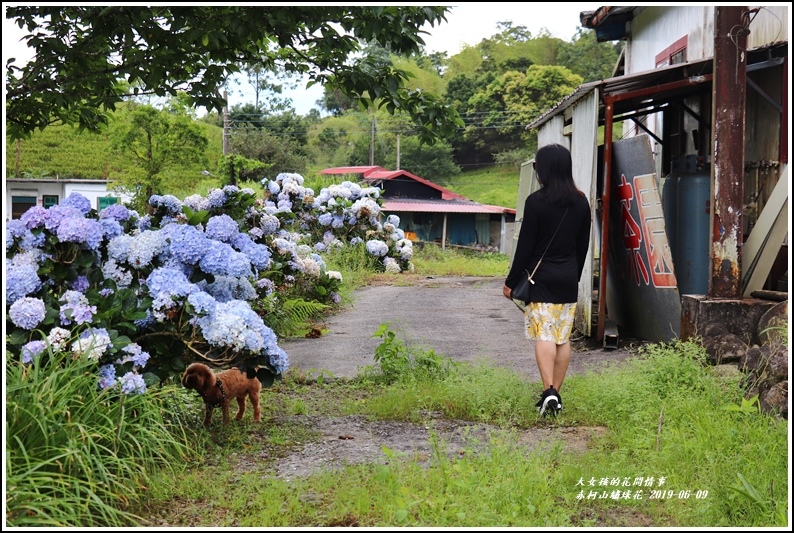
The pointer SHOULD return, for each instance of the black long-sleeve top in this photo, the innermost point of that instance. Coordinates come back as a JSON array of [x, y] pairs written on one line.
[[557, 277]]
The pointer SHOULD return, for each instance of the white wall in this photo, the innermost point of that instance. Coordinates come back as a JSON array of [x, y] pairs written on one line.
[[60, 188], [93, 191]]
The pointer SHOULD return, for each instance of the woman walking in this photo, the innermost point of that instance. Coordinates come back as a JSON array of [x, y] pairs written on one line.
[[552, 243]]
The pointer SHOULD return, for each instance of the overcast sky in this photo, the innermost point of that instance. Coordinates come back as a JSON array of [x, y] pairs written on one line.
[[467, 24]]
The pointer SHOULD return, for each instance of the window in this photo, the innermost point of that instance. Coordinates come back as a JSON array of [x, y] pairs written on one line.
[[673, 54], [49, 200], [20, 204], [106, 201]]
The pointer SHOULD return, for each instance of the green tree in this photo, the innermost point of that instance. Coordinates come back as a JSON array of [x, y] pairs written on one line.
[[588, 58], [83, 52], [161, 144], [281, 153]]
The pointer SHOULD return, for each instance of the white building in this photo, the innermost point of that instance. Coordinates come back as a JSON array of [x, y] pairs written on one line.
[[22, 194]]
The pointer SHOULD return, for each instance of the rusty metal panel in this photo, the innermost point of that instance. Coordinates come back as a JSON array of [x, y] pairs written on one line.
[[642, 292]]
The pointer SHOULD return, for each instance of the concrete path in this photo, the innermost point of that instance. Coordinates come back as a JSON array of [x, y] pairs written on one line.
[[464, 318]]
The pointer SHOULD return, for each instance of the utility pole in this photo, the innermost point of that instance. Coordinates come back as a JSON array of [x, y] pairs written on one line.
[[225, 124], [372, 142], [398, 152]]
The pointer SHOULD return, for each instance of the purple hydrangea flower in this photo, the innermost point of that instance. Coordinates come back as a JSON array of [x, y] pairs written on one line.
[[32, 350], [27, 313], [34, 217], [78, 201], [76, 308], [81, 284], [81, 230]]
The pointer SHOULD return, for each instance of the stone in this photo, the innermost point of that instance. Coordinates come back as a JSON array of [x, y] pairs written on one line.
[[773, 324], [775, 400]]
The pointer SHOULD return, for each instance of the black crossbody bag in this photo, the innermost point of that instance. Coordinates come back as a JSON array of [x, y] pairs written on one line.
[[522, 292]]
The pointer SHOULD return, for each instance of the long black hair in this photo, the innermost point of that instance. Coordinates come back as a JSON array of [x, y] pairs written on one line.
[[554, 168]]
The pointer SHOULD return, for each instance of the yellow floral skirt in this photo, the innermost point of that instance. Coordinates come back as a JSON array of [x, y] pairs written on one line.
[[549, 322]]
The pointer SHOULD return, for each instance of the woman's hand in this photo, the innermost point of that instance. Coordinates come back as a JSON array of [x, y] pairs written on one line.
[[507, 291]]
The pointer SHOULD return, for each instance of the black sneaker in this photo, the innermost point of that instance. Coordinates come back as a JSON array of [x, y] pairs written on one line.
[[549, 402]]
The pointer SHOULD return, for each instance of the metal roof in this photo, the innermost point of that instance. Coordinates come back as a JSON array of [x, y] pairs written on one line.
[[656, 88], [694, 73]]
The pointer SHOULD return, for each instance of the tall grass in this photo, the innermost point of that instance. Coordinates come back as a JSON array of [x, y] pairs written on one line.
[[431, 260], [77, 456]]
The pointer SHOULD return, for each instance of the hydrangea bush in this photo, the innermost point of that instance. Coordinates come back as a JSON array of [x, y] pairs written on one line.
[[144, 295]]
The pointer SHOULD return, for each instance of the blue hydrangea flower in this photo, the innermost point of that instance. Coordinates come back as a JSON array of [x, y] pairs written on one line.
[[32, 350], [117, 212], [188, 243], [144, 223], [216, 198], [111, 270], [169, 281], [110, 227], [202, 302], [222, 228], [221, 259], [226, 288], [145, 247], [132, 382], [377, 247], [169, 203], [21, 280], [107, 377], [78, 201], [269, 223], [27, 313]]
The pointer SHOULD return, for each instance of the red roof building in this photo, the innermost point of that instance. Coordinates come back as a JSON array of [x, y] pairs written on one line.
[[429, 212]]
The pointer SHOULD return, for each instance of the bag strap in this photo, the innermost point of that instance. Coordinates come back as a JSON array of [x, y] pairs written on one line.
[[547, 248]]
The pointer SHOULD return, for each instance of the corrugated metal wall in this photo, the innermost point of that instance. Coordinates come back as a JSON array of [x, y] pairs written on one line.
[[584, 149], [584, 152]]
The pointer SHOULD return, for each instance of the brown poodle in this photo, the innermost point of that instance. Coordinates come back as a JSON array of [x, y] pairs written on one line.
[[219, 389]]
